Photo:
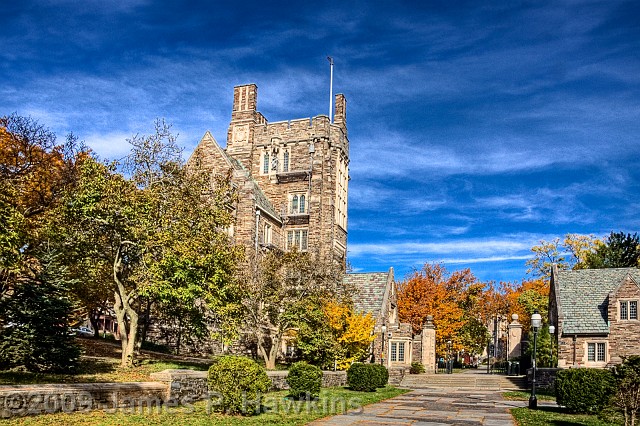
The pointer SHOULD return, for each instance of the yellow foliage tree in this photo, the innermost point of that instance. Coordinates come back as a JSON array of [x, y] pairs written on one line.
[[352, 331]]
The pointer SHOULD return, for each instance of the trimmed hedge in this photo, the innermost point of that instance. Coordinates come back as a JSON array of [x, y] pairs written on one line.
[[367, 377], [416, 368], [304, 378], [240, 381], [382, 373], [584, 390]]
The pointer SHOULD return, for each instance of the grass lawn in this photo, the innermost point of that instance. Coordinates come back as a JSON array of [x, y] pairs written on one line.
[[331, 402], [524, 396], [101, 363], [556, 416]]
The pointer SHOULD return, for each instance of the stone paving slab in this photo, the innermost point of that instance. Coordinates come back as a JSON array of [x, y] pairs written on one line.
[[433, 407]]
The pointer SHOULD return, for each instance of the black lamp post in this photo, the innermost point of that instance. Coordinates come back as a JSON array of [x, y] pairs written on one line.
[[449, 360], [536, 322], [552, 331]]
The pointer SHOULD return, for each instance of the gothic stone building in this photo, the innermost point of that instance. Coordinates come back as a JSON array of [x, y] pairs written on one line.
[[596, 312], [291, 176]]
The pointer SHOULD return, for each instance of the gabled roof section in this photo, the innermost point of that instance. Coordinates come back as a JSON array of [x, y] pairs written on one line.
[[213, 156], [210, 152], [263, 203], [371, 291], [583, 297]]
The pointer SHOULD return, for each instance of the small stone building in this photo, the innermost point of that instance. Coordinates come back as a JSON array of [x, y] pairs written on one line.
[[595, 312], [376, 293]]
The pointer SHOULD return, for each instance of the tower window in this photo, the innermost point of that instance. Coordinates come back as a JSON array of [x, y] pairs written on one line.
[[265, 163], [285, 161], [297, 238]]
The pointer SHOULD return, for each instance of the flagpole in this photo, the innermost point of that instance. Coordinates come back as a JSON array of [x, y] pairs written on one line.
[[330, 89]]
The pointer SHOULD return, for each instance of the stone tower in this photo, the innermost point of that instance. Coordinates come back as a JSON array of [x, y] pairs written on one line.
[[292, 177]]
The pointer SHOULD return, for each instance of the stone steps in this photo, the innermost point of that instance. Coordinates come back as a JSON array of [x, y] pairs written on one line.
[[476, 381]]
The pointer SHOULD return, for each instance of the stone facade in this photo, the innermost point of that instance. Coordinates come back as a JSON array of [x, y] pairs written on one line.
[[291, 176]]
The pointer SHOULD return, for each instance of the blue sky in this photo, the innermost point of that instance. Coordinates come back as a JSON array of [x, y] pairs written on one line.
[[476, 128]]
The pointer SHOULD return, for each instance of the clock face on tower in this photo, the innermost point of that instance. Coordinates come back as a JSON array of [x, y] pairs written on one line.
[[240, 133]]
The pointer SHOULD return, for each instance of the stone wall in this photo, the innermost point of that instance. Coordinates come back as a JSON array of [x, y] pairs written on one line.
[[623, 334], [170, 389], [23, 400], [545, 378]]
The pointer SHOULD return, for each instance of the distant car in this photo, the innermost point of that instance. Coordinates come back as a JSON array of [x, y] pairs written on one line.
[[83, 332]]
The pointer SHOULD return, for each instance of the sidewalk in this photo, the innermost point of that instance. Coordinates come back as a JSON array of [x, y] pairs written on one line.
[[434, 407]]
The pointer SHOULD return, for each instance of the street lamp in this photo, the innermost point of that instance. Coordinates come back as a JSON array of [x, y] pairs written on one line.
[[384, 331], [449, 361], [552, 331], [536, 322]]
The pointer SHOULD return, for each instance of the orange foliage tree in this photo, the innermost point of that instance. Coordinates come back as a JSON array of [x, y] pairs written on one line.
[[433, 291]]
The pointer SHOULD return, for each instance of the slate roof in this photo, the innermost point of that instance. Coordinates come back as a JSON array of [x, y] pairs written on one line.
[[583, 297], [370, 288]]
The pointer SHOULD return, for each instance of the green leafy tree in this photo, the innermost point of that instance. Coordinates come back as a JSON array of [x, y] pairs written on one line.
[[277, 290], [161, 235], [627, 395], [618, 250], [36, 320]]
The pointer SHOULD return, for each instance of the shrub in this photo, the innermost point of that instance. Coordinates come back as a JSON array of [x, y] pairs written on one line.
[[304, 378], [584, 390], [626, 399], [416, 368], [240, 381], [382, 374], [363, 377]]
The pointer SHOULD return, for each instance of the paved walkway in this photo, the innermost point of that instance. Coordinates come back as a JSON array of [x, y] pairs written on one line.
[[434, 407]]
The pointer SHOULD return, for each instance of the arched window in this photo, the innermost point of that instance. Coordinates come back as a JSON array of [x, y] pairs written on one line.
[[302, 203], [285, 161], [265, 164], [294, 204]]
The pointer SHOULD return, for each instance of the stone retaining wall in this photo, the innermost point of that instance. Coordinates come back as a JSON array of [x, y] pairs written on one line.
[[22, 400], [545, 377], [182, 383], [169, 389]]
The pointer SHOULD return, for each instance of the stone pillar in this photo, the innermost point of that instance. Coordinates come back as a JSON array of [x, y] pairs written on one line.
[[429, 345], [515, 336]]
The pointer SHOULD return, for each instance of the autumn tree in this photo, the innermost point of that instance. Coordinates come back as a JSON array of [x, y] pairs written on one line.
[[278, 289], [334, 334], [433, 291], [571, 252]]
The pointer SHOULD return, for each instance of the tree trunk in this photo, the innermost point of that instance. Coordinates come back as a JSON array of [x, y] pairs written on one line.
[[94, 316], [126, 314]]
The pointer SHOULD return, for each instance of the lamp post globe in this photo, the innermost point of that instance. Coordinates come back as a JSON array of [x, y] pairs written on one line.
[[536, 322]]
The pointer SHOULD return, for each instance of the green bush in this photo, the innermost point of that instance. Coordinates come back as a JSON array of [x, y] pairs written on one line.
[[363, 377], [304, 378], [584, 390], [416, 368], [240, 382], [382, 374]]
